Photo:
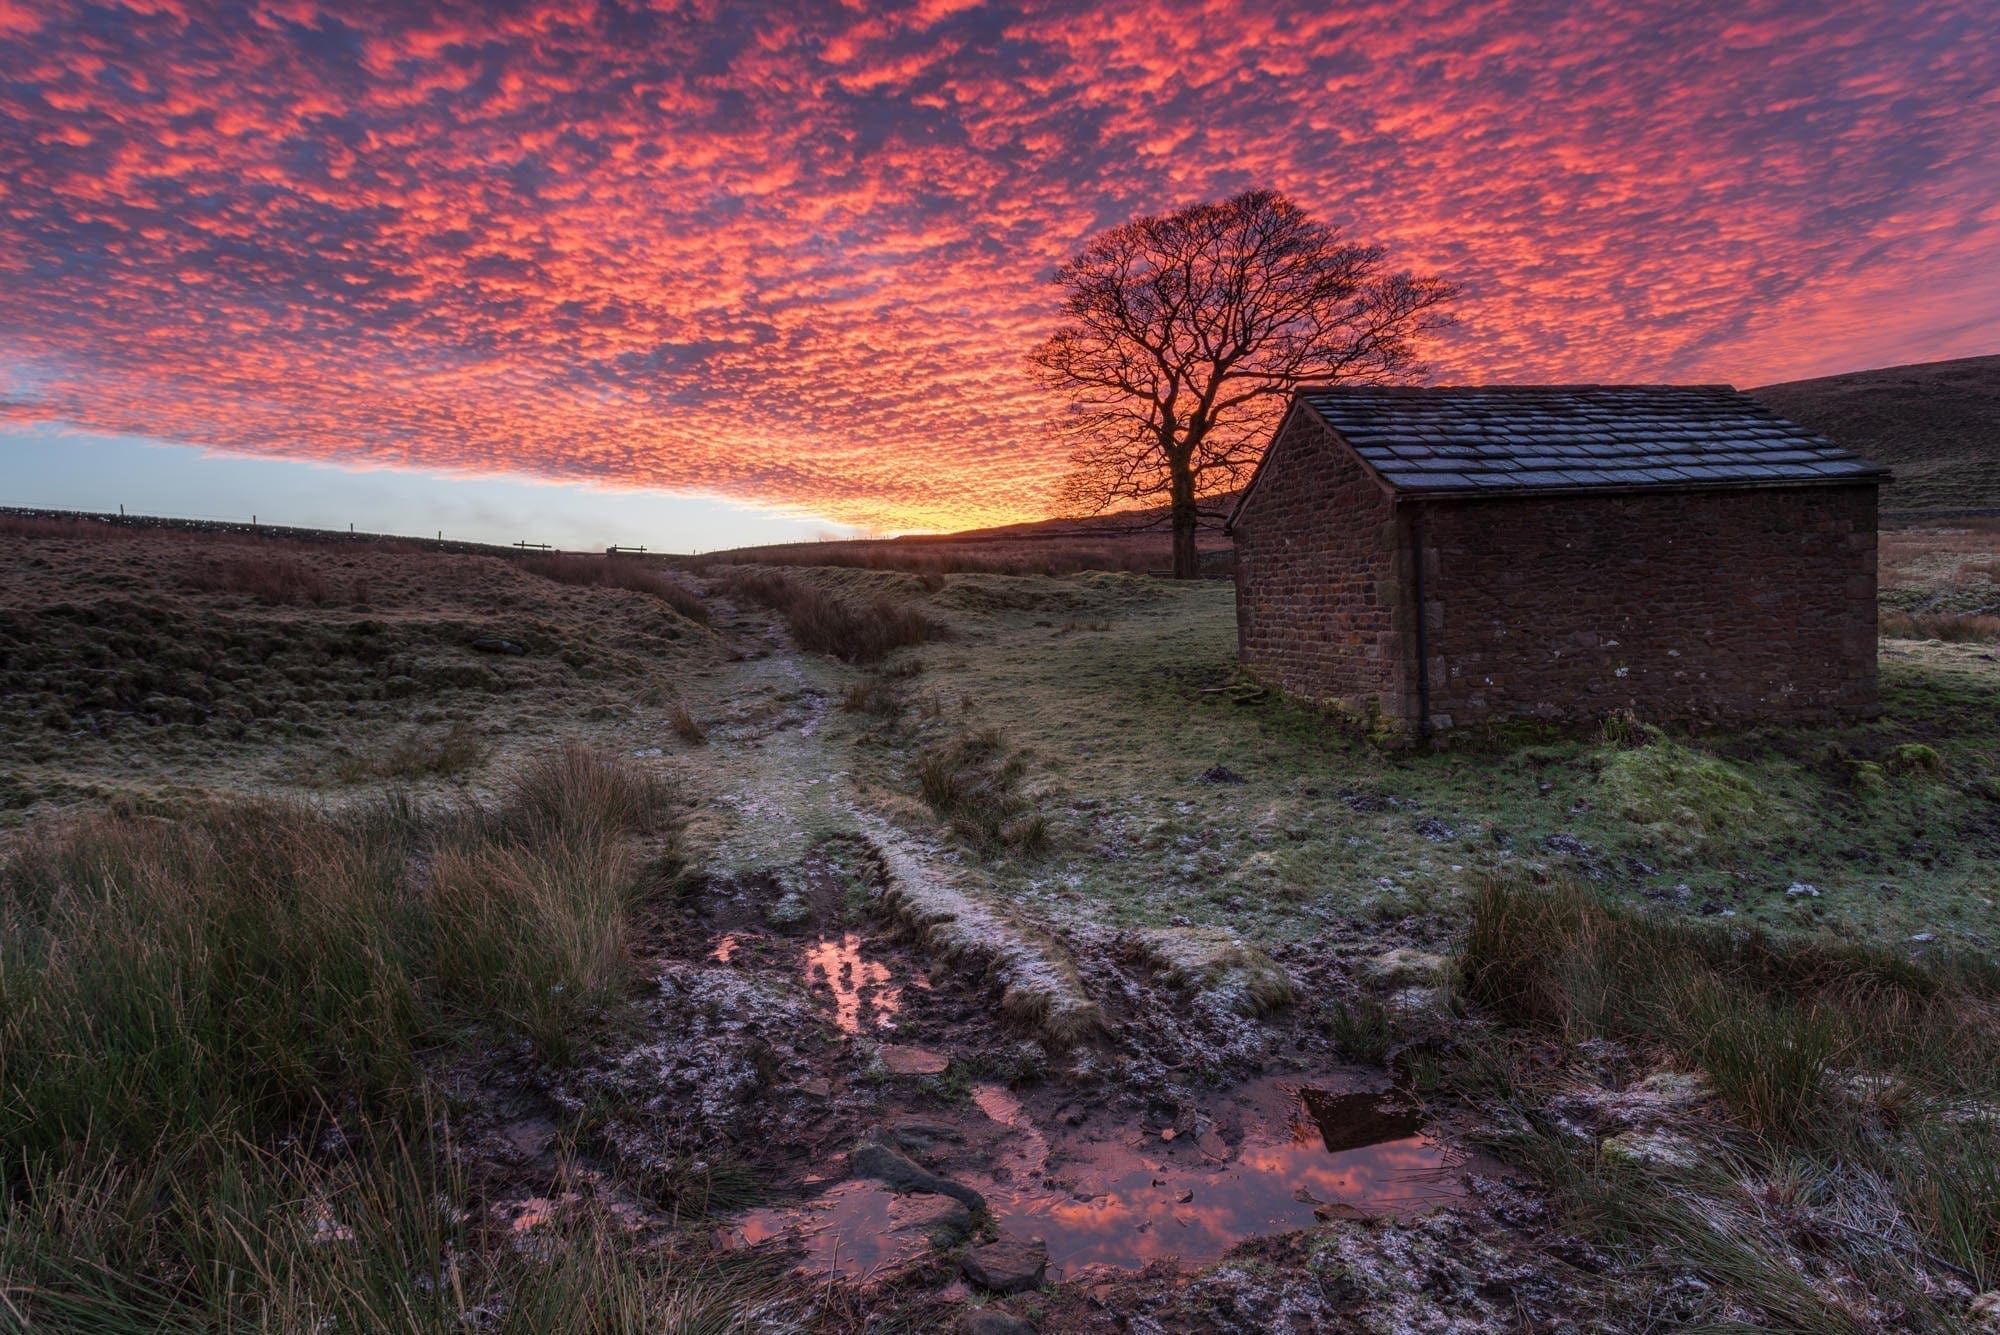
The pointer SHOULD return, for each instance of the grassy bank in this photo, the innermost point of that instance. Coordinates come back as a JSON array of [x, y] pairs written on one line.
[[214, 1030]]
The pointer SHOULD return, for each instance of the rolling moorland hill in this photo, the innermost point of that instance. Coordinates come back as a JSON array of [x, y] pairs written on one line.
[[840, 950], [1936, 423]]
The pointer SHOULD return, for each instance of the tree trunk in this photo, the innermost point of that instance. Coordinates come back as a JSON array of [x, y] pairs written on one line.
[[1187, 561]]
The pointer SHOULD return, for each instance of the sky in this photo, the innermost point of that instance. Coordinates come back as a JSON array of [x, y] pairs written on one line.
[[774, 270]]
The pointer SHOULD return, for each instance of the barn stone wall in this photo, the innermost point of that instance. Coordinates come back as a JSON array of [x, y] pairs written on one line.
[[1320, 612], [1725, 606]]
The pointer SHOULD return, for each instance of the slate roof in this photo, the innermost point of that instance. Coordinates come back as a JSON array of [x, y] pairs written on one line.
[[1481, 440]]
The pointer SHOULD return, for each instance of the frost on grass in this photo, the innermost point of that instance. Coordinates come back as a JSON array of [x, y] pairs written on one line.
[[1219, 966], [1038, 985]]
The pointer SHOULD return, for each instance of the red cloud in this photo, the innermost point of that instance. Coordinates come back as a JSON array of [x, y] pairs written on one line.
[[798, 256]]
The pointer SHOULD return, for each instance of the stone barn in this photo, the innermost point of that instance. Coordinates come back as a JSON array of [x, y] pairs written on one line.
[[1439, 558]]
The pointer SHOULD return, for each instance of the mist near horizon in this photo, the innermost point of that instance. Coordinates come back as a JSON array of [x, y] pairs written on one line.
[[53, 468]]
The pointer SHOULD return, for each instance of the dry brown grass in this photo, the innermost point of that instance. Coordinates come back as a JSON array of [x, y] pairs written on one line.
[[1954, 627], [621, 572], [1040, 556], [685, 725], [36, 526], [273, 579], [853, 630]]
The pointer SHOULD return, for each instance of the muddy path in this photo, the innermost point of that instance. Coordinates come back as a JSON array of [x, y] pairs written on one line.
[[856, 1060]]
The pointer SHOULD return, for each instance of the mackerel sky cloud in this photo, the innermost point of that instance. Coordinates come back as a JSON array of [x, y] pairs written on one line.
[[796, 254]]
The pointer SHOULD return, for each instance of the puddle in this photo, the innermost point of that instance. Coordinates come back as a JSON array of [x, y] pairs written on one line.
[[862, 995], [853, 1229], [1124, 1196], [1124, 1200]]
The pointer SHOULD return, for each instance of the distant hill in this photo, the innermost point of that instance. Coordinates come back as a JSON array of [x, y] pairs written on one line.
[[1136, 540], [1936, 423]]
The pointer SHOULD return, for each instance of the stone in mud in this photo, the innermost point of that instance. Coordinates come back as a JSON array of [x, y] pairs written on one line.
[[899, 1173], [528, 1139], [1677, 1088], [921, 1137], [1403, 967], [1658, 1148], [1341, 1211], [913, 1061], [1009, 1265], [941, 1219], [986, 1321]]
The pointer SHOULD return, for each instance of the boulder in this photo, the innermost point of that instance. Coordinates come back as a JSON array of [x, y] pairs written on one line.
[[1008, 1265], [1403, 967]]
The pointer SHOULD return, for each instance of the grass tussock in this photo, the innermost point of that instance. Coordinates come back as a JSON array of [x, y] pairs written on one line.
[[875, 696], [972, 779], [448, 754], [853, 630], [1877, 1074], [1952, 627], [192, 1010], [621, 572], [685, 725]]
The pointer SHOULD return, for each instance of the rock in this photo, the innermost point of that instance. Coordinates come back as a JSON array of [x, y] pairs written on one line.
[[529, 1138], [942, 1220], [913, 1061], [1677, 1088], [1341, 1212], [1218, 774], [1403, 967], [986, 1321], [1658, 1148], [815, 1088], [1415, 1002], [493, 644], [1009, 1265], [900, 1173], [919, 1137]]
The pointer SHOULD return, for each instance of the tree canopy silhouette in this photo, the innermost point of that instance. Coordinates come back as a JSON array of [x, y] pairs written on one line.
[[1184, 335]]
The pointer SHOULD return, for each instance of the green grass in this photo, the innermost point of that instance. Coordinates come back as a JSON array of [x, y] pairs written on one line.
[[1122, 721]]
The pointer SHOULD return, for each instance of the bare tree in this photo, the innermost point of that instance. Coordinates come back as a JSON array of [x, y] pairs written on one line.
[[1184, 335]]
